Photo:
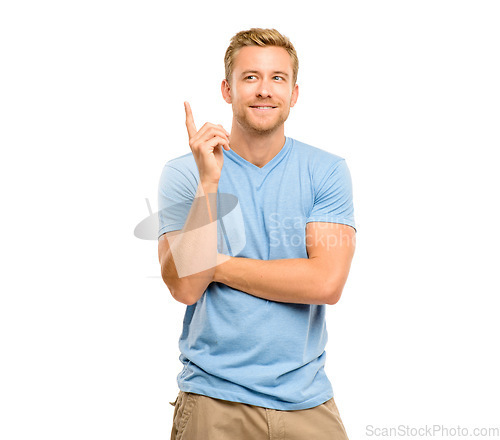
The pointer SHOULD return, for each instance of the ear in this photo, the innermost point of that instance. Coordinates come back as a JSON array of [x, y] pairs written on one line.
[[226, 91], [295, 95]]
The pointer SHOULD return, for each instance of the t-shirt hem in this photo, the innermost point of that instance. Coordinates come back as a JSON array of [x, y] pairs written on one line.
[[330, 219], [265, 403], [170, 228]]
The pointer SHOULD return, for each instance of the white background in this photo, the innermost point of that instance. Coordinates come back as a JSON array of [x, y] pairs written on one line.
[[92, 107]]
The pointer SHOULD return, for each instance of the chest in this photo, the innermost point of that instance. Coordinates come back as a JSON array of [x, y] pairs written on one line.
[[268, 214]]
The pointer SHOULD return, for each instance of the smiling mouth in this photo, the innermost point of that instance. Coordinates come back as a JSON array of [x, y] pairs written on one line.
[[262, 107]]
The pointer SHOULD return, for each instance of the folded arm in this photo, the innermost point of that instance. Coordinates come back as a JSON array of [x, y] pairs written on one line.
[[188, 257], [318, 279]]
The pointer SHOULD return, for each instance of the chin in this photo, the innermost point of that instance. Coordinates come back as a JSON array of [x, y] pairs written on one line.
[[259, 127], [266, 128]]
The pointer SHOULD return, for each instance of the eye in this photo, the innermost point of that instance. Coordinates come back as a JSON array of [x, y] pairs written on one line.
[[279, 77], [250, 76]]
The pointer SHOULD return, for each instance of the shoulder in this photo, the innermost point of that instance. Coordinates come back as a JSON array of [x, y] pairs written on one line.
[[181, 173], [318, 160], [183, 166], [314, 154]]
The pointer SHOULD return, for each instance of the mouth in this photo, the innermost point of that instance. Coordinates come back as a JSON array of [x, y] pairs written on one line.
[[262, 107]]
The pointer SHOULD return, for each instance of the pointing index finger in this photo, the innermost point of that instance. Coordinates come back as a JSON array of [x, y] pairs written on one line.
[[191, 128]]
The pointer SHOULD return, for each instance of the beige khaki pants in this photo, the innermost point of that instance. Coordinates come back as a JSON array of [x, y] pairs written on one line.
[[198, 417]]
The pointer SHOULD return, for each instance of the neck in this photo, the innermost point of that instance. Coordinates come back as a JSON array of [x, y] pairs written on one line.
[[256, 148]]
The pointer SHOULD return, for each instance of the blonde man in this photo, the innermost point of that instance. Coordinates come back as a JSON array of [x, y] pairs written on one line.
[[256, 237]]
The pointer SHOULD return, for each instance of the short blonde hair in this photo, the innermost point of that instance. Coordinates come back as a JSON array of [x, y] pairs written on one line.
[[259, 37]]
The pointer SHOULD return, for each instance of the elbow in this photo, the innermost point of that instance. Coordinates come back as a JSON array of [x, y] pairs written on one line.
[[179, 293], [333, 299], [177, 287], [333, 285], [182, 297], [332, 293]]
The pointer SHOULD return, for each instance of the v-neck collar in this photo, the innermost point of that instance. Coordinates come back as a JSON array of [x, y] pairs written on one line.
[[268, 166]]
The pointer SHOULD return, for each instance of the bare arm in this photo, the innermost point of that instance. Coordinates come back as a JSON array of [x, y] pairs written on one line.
[[318, 279], [188, 257]]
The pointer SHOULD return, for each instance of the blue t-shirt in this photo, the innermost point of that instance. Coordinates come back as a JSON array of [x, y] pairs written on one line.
[[235, 346]]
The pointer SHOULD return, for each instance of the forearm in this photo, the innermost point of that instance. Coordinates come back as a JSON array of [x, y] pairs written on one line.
[[189, 265], [298, 280]]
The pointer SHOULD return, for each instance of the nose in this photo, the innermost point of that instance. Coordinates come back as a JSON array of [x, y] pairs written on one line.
[[264, 89], [264, 93]]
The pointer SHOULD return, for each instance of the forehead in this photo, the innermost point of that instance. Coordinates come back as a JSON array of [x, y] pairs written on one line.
[[267, 58]]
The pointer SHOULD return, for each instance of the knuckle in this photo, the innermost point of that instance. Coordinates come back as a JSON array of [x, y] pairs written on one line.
[[217, 131]]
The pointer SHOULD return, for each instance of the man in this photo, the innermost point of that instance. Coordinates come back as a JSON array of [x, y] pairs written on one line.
[[256, 237]]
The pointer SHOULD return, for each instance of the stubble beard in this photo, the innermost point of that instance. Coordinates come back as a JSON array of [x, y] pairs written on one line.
[[248, 125]]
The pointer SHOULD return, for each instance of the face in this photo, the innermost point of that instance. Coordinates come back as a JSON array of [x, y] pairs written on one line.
[[261, 90]]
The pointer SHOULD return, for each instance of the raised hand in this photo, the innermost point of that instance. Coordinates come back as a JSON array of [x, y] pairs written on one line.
[[206, 145]]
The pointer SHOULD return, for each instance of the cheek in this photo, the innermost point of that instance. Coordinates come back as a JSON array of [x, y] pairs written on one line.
[[236, 96], [244, 93]]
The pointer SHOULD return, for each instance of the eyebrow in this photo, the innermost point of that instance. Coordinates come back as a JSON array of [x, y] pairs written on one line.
[[246, 72]]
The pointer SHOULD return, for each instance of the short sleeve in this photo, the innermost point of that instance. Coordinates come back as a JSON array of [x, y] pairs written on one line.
[[175, 196], [333, 197]]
